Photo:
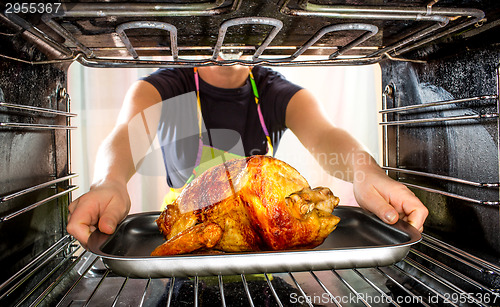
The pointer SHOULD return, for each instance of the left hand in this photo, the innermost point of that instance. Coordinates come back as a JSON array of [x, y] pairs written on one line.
[[388, 199]]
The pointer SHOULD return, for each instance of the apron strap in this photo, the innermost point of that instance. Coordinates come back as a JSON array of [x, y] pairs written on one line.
[[170, 197], [270, 150]]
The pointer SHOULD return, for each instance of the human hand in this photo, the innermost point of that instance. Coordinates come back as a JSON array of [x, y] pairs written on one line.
[[388, 199], [104, 206]]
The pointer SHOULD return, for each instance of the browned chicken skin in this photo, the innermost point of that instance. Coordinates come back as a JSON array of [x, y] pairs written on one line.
[[250, 204]]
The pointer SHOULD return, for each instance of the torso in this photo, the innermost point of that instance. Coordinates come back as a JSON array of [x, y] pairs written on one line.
[[230, 119]]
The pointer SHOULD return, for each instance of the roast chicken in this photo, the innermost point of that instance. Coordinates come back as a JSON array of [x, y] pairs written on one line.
[[250, 204]]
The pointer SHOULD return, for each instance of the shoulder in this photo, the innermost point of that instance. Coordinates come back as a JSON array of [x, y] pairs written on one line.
[[171, 82], [261, 72], [167, 73], [271, 82]]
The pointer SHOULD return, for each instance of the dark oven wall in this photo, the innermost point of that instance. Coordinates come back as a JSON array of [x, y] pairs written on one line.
[[456, 140], [34, 170]]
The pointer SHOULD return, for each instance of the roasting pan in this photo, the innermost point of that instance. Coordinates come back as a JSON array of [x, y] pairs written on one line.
[[360, 240]]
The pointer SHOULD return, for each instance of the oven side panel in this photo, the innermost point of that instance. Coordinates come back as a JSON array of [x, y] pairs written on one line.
[[456, 141], [34, 138]]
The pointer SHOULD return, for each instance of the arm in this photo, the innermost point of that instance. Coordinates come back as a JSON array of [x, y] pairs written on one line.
[[343, 157], [107, 202]]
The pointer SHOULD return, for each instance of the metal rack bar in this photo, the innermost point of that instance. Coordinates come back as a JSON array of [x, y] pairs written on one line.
[[221, 290], [36, 187], [440, 119], [419, 282], [170, 291], [159, 9], [146, 290], [39, 284], [37, 204], [35, 264], [351, 288], [57, 281], [195, 291], [453, 272], [34, 126], [333, 298], [372, 12], [437, 103], [371, 30], [442, 281], [78, 280], [273, 291], [120, 30], [247, 290], [36, 109], [474, 15], [129, 9], [308, 301], [132, 10], [127, 63], [442, 177], [210, 48], [443, 252], [412, 38], [119, 292], [441, 15], [414, 297], [388, 91], [489, 268], [374, 286], [453, 195], [97, 287], [277, 25]]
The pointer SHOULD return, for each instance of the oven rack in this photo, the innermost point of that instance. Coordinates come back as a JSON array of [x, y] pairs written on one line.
[[41, 112], [396, 285], [36, 187], [398, 110], [386, 123], [350, 19], [64, 192], [48, 184], [36, 109], [492, 185]]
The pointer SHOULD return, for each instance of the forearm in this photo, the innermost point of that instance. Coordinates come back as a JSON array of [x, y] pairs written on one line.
[[342, 156], [114, 158], [345, 158]]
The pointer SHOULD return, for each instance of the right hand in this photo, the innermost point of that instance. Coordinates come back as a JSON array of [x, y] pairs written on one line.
[[104, 206]]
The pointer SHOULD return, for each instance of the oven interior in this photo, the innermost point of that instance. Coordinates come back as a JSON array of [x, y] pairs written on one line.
[[440, 76]]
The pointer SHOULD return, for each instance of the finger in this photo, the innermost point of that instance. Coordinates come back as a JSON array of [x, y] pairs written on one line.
[[112, 215], [73, 205], [409, 205], [415, 211], [80, 223], [375, 203]]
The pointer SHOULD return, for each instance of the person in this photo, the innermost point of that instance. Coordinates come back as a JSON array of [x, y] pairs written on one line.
[[259, 104]]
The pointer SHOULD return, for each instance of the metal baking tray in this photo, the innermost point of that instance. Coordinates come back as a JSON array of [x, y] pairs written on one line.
[[360, 240]]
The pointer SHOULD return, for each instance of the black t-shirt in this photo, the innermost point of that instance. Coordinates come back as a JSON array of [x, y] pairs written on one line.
[[230, 118]]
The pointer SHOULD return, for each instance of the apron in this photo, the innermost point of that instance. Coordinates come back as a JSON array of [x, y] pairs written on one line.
[[209, 156]]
